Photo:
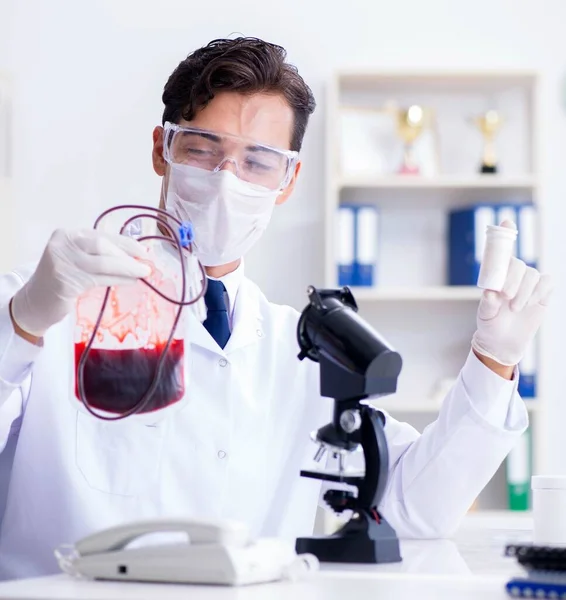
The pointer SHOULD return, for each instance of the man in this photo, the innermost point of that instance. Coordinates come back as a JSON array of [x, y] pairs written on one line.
[[234, 119]]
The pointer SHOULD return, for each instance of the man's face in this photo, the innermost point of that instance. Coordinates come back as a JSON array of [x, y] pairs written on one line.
[[263, 118]]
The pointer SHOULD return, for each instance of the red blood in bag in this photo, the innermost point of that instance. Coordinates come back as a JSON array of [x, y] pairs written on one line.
[[116, 380]]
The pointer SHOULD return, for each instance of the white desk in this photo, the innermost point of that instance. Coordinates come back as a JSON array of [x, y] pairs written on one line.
[[471, 566]]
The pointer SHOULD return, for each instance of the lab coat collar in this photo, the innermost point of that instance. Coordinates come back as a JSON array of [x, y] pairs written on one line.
[[247, 322]]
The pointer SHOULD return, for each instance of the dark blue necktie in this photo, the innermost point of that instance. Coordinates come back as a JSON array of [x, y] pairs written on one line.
[[216, 322]]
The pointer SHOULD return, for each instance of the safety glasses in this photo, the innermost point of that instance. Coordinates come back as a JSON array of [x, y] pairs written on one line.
[[259, 164]]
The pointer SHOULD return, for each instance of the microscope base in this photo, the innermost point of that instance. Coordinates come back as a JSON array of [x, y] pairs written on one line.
[[361, 540]]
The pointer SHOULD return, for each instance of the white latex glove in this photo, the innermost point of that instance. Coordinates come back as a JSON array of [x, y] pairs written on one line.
[[72, 263], [507, 321]]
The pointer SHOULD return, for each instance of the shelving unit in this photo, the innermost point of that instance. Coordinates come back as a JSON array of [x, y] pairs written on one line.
[[428, 322], [416, 294], [427, 407], [442, 182]]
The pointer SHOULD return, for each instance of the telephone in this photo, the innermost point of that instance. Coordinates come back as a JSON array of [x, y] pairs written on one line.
[[219, 552]]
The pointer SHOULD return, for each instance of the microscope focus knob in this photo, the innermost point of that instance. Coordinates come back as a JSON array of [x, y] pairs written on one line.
[[350, 420]]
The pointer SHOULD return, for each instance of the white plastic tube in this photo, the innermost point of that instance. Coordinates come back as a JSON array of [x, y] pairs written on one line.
[[498, 251], [549, 510]]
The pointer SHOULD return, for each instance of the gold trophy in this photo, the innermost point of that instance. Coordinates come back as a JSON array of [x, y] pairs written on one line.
[[410, 123], [489, 124]]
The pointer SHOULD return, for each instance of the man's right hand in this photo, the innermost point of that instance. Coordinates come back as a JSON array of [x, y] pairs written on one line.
[[72, 263]]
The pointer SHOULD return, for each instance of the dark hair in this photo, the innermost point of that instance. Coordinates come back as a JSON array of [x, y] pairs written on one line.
[[244, 65]]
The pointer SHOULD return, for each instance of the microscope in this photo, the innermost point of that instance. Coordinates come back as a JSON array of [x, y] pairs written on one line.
[[355, 363]]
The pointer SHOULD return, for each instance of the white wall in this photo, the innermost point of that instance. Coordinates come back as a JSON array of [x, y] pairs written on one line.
[[89, 75]]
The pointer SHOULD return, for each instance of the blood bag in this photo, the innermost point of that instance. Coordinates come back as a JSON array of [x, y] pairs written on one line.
[[136, 362]]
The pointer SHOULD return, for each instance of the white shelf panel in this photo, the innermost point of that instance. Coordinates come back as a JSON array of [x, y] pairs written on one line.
[[494, 519], [433, 76], [427, 407], [425, 294], [476, 81], [446, 182], [402, 407]]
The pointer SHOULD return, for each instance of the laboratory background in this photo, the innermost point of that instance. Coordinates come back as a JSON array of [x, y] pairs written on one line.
[[434, 119]]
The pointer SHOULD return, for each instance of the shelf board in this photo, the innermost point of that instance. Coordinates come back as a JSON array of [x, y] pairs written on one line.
[[486, 81], [428, 407], [424, 293], [425, 407], [496, 75], [443, 182]]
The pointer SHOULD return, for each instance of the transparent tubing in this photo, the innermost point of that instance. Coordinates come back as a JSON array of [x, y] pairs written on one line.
[[175, 239]]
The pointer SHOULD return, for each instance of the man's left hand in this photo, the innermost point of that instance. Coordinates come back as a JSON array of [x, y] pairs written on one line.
[[507, 321]]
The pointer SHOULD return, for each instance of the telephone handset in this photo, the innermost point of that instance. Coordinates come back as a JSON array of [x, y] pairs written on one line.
[[220, 552], [228, 533]]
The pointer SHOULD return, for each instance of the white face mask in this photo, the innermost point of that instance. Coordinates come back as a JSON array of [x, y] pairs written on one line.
[[228, 215]]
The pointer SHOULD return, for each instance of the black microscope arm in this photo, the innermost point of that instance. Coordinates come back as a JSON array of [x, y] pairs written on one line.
[[376, 457]]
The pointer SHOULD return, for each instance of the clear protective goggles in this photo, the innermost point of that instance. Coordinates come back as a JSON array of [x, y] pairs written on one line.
[[255, 163]]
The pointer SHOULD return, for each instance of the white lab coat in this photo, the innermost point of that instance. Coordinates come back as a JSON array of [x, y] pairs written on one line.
[[233, 451]]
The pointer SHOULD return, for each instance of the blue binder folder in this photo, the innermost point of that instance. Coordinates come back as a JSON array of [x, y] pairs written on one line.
[[466, 241], [345, 244], [357, 244], [527, 238], [366, 236], [527, 387]]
